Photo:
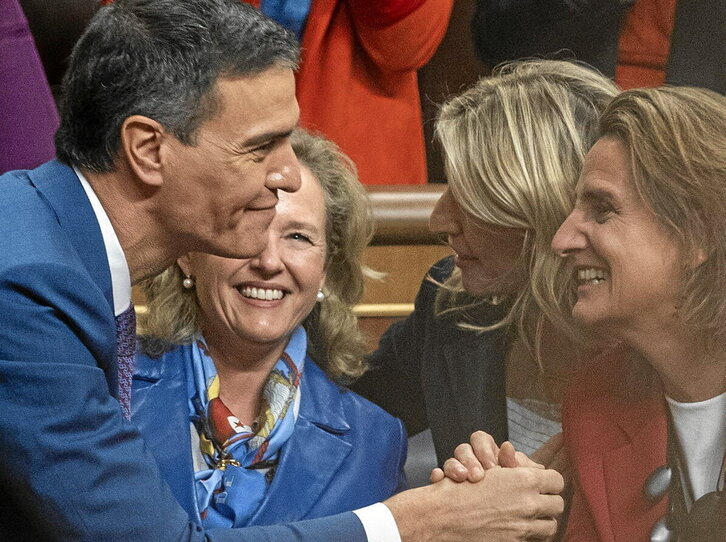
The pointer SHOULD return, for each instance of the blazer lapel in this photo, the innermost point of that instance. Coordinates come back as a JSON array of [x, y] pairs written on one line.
[[312, 456], [618, 437], [626, 468], [60, 186], [160, 406]]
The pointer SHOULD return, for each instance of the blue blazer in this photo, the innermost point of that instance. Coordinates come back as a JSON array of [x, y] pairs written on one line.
[[71, 468], [345, 452], [431, 373]]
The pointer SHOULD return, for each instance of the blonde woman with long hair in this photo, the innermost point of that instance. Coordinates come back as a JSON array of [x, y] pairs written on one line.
[[486, 347]]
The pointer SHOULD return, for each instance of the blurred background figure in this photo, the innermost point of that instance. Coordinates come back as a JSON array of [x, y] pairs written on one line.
[[641, 43], [232, 350], [357, 82], [28, 114]]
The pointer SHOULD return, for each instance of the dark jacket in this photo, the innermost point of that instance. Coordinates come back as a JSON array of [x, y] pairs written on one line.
[[431, 373]]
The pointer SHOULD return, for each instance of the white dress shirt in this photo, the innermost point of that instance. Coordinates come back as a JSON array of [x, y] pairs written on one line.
[[120, 277]]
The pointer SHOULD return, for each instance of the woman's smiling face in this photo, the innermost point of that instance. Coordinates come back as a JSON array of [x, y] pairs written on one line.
[[627, 266], [263, 299]]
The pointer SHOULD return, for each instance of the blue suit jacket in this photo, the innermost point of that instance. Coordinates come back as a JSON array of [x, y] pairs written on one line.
[[345, 453], [431, 373], [70, 467]]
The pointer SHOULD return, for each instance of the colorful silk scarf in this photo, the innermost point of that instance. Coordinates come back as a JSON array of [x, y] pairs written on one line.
[[239, 460]]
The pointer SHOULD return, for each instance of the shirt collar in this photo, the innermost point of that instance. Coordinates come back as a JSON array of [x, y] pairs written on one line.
[[120, 277]]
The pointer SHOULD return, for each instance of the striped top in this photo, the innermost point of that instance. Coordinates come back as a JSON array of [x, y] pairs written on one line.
[[531, 423]]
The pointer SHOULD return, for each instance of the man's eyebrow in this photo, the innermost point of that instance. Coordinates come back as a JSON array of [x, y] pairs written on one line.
[[266, 137]]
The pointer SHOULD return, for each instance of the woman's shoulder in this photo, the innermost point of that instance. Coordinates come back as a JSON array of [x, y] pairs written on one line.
[[608, 387], [613, 371], [326, 395]]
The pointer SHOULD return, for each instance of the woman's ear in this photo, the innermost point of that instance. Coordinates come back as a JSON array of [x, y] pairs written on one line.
[[142, 142], [185, 263], [700, 256], [324, 278]]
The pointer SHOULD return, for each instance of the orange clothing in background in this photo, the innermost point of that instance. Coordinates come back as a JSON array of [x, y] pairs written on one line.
[[645, 43], [357, 82]]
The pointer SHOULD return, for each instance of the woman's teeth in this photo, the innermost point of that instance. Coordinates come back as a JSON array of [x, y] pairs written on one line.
[[593, 275], [261, 293]]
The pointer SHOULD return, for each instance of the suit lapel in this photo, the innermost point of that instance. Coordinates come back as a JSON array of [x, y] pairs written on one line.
[[61, 188], [312, 456], [160, 403]]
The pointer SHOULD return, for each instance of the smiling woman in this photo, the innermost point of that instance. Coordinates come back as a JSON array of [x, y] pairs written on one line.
[[646, 421], [627, 263], [232, 348]]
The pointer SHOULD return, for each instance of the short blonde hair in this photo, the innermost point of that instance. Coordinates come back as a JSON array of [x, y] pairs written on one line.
[[334, 338], [676, 138], [513, 148]]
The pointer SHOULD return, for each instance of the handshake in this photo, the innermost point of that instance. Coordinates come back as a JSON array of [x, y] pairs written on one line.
[[487, 493]]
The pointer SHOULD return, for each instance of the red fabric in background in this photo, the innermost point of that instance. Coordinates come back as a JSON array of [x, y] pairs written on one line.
[[358, 85], [385, 12], [644, 44]]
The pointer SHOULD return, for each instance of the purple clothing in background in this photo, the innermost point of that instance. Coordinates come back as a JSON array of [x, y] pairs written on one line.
[[28, 114]]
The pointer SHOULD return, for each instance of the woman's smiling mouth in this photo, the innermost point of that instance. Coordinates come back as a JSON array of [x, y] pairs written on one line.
[[590, 275], [265, 294]]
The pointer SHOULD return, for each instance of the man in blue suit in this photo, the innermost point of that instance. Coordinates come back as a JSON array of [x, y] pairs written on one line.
[[173, 137]]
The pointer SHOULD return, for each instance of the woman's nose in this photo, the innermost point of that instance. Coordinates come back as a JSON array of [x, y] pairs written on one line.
[[569, 236], [269, 261], [444, 217]]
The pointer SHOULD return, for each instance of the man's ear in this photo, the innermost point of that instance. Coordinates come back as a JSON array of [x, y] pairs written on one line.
[[141, 143]]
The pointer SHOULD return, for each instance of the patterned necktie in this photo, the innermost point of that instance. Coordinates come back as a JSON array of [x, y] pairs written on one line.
[[125, 356]]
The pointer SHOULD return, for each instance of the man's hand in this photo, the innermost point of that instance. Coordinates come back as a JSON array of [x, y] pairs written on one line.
[[505, 505]]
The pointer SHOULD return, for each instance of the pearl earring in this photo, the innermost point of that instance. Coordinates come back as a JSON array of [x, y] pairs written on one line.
[[188, 283], [320, 296]]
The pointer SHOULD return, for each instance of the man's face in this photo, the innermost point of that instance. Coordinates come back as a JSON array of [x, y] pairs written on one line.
[[220, 193]]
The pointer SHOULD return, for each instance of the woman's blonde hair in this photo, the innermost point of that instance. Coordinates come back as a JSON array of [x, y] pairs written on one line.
[[513, 147], [676, 137], [334, 338]]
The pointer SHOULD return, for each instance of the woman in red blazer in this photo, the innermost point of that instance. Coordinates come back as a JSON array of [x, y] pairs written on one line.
[[645, 421], [647, 245]]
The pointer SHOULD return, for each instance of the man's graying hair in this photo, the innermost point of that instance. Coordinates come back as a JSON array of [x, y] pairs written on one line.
[[160, 59]]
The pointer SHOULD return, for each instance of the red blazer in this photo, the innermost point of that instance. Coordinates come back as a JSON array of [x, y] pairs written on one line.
[[615, 426], [357, 82]]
